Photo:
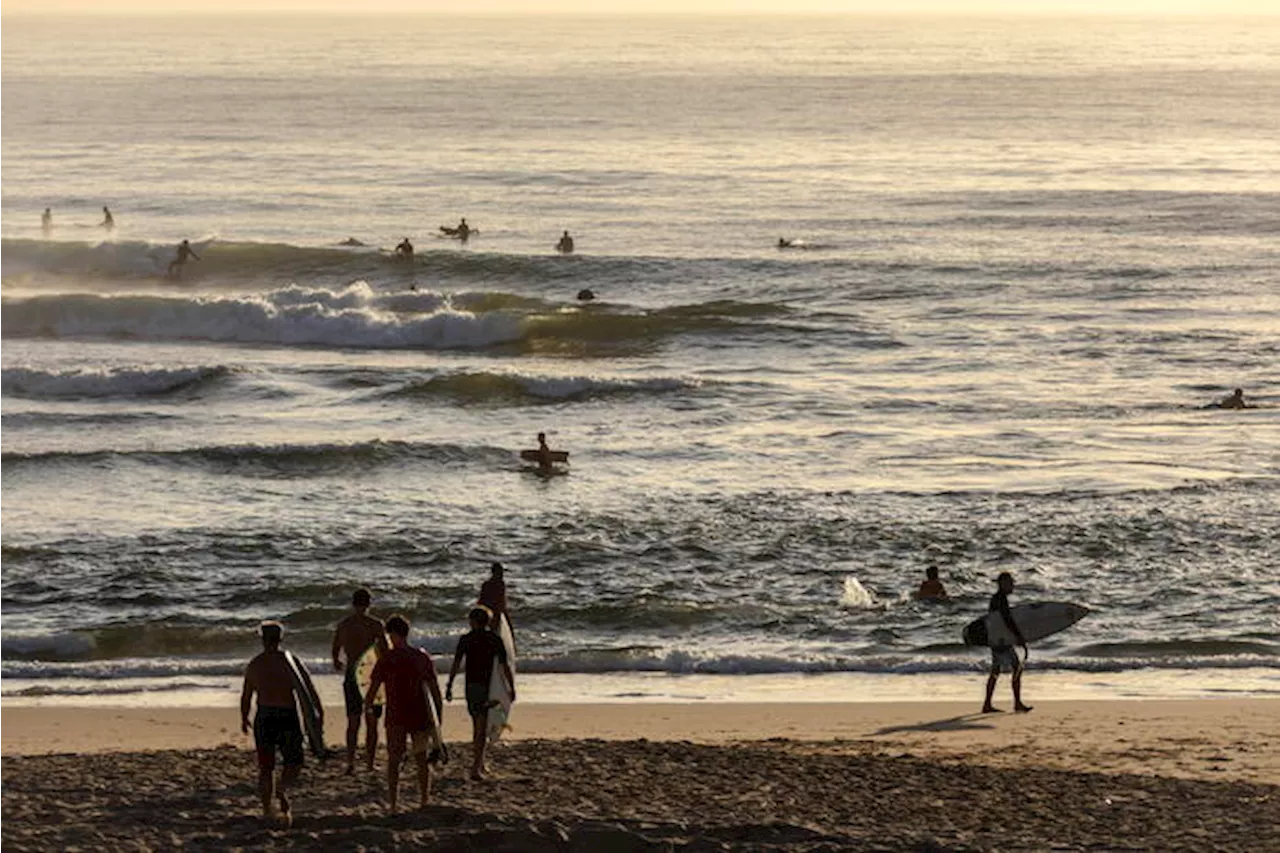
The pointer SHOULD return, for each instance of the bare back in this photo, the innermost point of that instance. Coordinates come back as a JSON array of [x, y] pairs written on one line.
[[270, 677], [357, 633]]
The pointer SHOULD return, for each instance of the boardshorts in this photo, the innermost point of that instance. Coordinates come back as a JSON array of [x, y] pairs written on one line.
[[277, 728], [398, 737], [353, 698], [1004, 659], [477, 699]]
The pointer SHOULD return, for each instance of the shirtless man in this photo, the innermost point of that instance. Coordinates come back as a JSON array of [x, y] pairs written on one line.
[[180, 259], [544, 454], [276, 724], [565, 246], [404, 251], [931, 587], [351, 639], [1006, 657]]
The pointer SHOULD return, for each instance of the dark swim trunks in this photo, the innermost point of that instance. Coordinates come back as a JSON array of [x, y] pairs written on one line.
[[353, 698], [277, 728], [477, 699]]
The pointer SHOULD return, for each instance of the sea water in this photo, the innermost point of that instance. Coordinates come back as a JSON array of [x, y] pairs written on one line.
[[1029, 252]]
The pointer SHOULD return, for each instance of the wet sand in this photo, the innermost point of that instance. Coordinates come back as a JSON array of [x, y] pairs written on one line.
[[919, 776]]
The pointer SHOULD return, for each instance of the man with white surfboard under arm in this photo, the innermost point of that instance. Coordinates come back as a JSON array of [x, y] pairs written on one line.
[[351, 639], [1003, 656], [482, 650]]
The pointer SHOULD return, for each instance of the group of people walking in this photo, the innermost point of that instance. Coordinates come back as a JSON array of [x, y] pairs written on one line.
[[403, 681]]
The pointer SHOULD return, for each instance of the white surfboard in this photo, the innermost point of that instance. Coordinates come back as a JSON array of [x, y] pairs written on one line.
[[364, 674], [1036, 621], [499, 694], [439, 752], [308, 705]]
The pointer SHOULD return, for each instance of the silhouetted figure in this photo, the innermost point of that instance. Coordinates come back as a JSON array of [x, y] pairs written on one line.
[[108, 221], [586, 295], [1234, 400], [565, 246], [931, 587], [180, 259], [784, 243], [404, 251], [46, 222], [461, 232]]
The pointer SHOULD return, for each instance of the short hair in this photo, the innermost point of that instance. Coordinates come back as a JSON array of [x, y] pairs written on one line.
[[480, 614], [361, 598], [398, 625], [495, 566], [1004, 576], [272, 632], [931, 572]]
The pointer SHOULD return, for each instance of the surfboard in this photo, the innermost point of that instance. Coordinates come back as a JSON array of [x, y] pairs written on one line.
[[364, 674], [556, 455], [1036, 621], [308, 706], [435, 728], [499, 694]]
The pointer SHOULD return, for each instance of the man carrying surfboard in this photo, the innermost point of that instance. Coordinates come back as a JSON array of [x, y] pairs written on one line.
[[409, 677], [480, 648], [351, 640], [275, 726], [1005, 656]]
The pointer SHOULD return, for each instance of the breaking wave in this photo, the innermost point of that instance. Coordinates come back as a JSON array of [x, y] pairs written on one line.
[[108, 382]]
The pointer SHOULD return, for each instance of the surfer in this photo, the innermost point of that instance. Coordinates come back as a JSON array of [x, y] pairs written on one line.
[[46, 222], [404, 251], [784, 243], [180, 259], [462, 231], [480, 648], [931, 587], [351, 639], [493, 592], [544, 455], [565, 246], [275, 726], [108, 221], [1003, 656], [1234, 400], [405, 671], [586, 295], [350, 241]]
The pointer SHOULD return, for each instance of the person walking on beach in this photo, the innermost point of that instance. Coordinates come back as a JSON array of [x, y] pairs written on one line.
[[351, 639], [275, 726], [108, 221], [481, 649], [1002, 656], [46, 222], [180, 259], [405, 672]]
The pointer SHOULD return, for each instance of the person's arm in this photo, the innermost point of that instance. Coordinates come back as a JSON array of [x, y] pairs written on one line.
[[375, 683], [1007, 615], [433, 684], [511, 678], [458, 654], [246, 699], [337, 649]]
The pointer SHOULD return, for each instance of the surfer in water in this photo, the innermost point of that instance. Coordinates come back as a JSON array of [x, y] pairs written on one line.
[[180, 259], [481, 649], [544, 455], [493, 593], [108, 221], [565, 246], [275, 726], [351, 639], [404, 251], [931, 588], [405, 671], [1234, 400], [46, 222], [1003, 657]]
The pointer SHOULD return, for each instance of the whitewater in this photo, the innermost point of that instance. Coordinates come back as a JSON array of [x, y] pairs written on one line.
[[1030, 253]]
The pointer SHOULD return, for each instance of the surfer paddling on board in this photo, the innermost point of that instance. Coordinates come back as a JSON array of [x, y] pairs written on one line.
[[275, 726], [351, 639], [481, 649], [404, 671], [931, 588], [1005, 656], [180, 259], [1234, 400]]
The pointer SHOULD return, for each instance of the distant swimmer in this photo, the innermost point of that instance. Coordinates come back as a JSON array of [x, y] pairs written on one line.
[[352, 241], [931, 587], [108, 221], [1234, 400], [586, 295], [784, 243], [462, 231], [180, 259], [46, 222], [565, 246], [544, 454], [404, 251]]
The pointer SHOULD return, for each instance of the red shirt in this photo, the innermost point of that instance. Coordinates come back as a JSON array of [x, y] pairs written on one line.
[[405, 672]]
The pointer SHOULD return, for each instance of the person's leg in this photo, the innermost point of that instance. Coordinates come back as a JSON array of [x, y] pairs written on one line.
[[1017, 688], [266, 754], [291, 748], [479, 738], [266, 787], [395, 754], [987, 707], [420, 747], [371, 737]]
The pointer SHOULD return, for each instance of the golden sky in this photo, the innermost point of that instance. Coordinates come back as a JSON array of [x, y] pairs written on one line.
[[435, 7]]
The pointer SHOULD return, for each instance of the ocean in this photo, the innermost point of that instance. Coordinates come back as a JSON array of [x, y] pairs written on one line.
[[1027, 253]]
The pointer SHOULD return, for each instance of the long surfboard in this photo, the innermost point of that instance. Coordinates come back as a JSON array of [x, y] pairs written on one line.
[[499, 693], [308, 706], [1036, 621], [555, 456], [435, 728], [364, 674]]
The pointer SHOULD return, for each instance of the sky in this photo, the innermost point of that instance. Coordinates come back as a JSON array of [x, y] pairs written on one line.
[[436, 7]]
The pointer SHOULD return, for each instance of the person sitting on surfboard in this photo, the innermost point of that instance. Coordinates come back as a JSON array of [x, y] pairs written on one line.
[[180, 259], [404, 251], [404, 671], [351, 639], [275, 726], [1234, 400], [1005, 656], [565, 246], [931, 587], [480, 648], [493, 592]]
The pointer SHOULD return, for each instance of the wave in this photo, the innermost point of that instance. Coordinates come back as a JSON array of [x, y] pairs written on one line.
[[108, 382], [280, 459], [491, 387]]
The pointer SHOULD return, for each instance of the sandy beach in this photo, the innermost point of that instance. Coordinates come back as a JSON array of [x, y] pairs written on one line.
[[1151, 775]]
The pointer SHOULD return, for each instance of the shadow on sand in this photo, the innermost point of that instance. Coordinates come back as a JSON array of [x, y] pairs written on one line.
[[962, 723]]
